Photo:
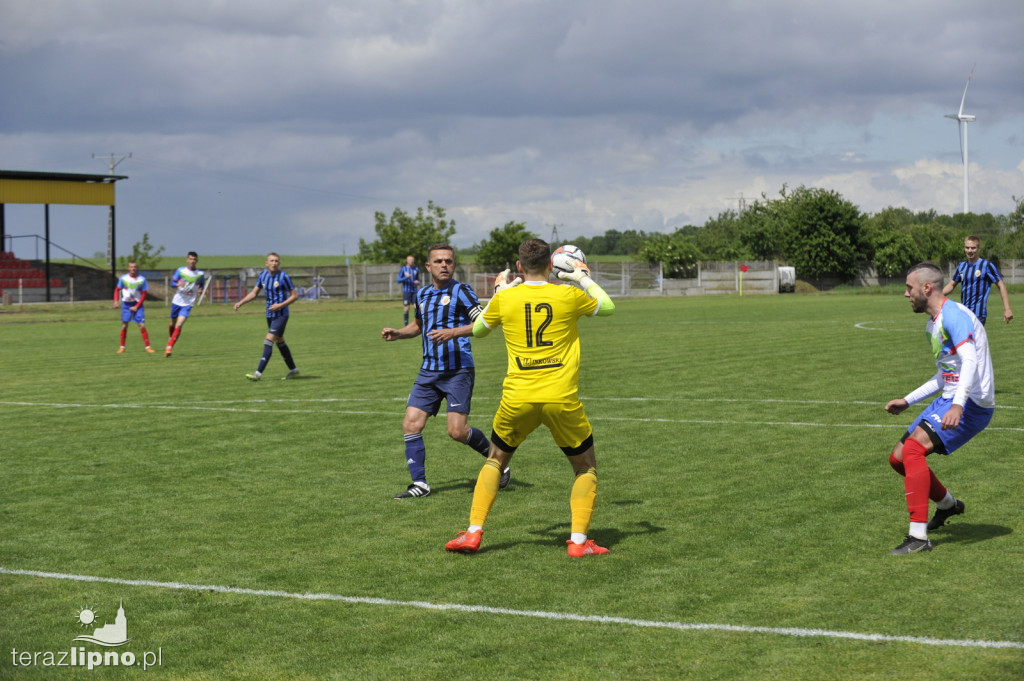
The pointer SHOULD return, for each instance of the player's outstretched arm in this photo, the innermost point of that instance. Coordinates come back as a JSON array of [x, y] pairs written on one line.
[[581, 277]]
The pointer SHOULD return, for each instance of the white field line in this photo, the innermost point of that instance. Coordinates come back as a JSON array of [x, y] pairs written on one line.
[[199, 406], [539, 614]]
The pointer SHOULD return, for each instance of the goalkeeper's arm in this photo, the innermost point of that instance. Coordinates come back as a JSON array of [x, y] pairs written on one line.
[[581, 277]]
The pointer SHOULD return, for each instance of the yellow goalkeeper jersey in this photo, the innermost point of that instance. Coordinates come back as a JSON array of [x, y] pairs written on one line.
[[539, 321]]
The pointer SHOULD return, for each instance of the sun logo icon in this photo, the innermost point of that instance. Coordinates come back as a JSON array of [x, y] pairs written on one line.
[[87, 616]]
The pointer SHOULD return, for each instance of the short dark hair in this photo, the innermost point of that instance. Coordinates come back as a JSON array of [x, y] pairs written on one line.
[[439, 247], [193, 253], [535, 256]]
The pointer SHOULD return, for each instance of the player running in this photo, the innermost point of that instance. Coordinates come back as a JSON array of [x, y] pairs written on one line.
[[188, 282], [444, 316], [280, 293]]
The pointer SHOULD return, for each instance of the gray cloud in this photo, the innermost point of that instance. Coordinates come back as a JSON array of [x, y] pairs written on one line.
[[289, 126]]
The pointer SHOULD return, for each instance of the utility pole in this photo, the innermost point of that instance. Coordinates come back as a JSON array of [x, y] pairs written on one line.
[[554, 234], [111, 256]]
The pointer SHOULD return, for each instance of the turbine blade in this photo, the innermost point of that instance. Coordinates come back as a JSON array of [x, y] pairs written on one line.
[[964, 98]]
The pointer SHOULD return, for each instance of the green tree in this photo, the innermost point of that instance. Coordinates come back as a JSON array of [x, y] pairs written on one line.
[[501, 250], [142, 254], [895, 252], [676, 253], [403, 235], [824, 234]]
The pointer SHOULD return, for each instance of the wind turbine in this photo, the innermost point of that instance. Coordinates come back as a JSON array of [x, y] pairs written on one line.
[[962, 121]]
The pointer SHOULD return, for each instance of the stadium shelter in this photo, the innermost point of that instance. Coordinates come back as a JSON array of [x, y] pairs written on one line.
[[46, 188]]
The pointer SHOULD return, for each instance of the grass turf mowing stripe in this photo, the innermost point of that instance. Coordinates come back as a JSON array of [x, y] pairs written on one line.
[[483, 609]]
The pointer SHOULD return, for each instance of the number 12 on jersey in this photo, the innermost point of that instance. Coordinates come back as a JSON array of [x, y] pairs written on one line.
[[537, 340]]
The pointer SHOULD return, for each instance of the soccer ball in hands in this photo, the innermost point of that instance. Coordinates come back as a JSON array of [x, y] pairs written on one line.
[[563, 259]]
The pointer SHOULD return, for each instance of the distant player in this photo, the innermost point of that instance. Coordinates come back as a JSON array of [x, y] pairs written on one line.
[[962, 410], [129, 294], [444, 316], [188, 282], [409, 278], [976, 277], [539, 319], [280, 293]]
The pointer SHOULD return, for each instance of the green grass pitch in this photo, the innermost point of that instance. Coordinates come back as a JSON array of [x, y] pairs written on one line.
[[249, 530]]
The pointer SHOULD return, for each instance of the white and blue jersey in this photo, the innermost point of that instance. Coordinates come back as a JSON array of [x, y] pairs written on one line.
[[277, 287], [131, 288], [450, 307], [948, 332], [976, 280], [188, 284]]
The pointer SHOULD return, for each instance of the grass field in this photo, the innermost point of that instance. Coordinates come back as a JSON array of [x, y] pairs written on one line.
[[249, 530]]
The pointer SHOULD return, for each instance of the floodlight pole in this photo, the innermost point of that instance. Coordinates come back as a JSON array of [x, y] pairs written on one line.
[[111, 255]]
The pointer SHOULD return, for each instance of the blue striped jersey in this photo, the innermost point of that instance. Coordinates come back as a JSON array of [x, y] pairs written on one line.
[[447, 308], [406, 276], [277, 287], [976, 281]]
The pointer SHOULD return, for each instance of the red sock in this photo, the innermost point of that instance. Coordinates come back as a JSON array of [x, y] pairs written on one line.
[[124, 333], [917, 482], [897, 465], [937, 491], [174, 337], [145, 337]]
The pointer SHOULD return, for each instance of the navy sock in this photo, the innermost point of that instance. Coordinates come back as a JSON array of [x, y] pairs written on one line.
[[478, 441], [286, 354], [268, 349], [416, 457]]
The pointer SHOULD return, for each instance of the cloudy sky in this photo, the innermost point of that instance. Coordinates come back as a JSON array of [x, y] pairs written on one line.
[[262, 125]]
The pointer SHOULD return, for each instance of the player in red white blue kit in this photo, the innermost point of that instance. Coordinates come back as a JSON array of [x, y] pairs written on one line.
[[129, 294], [188, 283], [445, 313], [962, 410]]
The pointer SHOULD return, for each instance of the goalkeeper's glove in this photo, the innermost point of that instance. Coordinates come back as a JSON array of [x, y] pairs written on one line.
[[501, 282], [580, 275]]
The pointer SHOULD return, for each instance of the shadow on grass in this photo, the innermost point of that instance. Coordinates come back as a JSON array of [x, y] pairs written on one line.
[[467, 485], [970, 533], [556, 535]]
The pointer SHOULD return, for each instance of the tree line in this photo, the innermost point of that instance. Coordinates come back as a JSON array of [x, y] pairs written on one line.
[[815, 230]]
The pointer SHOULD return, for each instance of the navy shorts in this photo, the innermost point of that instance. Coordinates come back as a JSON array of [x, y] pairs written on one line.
[[972, 421], [408, 297], [275, 325], [433, 386]]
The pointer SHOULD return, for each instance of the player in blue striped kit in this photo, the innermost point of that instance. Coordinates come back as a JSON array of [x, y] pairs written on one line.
[[445, 313], [976, 277], [409, 278], [280, 293]]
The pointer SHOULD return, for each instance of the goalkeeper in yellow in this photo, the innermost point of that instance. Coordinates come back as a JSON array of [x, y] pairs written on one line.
[[542, 384]]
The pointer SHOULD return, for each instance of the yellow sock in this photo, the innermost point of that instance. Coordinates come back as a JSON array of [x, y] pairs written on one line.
[[485, 492], [581, 501]]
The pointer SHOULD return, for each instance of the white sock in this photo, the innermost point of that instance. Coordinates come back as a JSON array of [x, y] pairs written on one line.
[[948, 502], [578, 538], [919, 530], [475, 528]]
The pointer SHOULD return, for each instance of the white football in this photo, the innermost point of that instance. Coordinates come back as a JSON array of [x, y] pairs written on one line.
[[563, 258]]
